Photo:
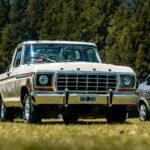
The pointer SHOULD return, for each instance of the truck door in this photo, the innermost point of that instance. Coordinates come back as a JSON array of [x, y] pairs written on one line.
[[11, 86], [3, 88]]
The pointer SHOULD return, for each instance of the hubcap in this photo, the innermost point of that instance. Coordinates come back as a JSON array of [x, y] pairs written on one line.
[[142, 112], [27, 108], [2, 111]]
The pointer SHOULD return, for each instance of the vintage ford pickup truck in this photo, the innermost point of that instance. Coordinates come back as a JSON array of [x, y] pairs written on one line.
[[64, 77]]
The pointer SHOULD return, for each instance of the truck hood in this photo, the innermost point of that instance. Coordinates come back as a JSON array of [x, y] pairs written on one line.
[[69, 66], [81, 66]]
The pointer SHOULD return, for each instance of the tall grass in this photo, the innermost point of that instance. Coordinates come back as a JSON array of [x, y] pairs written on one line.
[[85, 135]]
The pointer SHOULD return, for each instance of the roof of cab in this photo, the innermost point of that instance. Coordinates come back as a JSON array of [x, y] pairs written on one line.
[[57, 42]]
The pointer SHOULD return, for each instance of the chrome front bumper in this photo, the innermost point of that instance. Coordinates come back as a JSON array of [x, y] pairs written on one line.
[[116, 98]]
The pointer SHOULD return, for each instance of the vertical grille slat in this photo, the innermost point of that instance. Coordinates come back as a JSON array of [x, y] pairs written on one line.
[[95, 83]]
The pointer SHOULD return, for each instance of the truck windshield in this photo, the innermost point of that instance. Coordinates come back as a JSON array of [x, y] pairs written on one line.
[[37, 53]]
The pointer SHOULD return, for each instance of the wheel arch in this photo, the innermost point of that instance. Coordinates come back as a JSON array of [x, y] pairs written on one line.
[[26, 87]]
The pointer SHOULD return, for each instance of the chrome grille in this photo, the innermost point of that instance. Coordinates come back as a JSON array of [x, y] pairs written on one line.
[[86, 82]]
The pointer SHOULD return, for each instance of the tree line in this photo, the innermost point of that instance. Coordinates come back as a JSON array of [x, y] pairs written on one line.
[[120, 28]]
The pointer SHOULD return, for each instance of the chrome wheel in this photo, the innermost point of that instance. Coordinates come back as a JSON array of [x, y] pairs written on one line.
[[30, 111], [3, 111], [143, 112], [27, 109]]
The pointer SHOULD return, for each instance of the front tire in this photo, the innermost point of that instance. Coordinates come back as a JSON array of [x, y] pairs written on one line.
[[143, 112], [116, 114], [31, 113]]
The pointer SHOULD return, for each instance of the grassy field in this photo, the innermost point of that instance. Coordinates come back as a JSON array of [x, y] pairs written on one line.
[[87, 134]]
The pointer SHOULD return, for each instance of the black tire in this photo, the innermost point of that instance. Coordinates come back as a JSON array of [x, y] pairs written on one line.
[[6, 114], [143, 112], [70, 118], [116, 114], [31, 113]]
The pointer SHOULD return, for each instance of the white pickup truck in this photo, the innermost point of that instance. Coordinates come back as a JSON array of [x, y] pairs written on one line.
[[64, 77]]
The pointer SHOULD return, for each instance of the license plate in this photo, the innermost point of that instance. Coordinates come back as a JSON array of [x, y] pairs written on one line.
[[87, 99]]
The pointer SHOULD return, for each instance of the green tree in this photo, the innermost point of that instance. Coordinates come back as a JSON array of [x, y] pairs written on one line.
[[120, 28], [14, 31], [4, 13], [128, 37], [35, 14], [143, 61]]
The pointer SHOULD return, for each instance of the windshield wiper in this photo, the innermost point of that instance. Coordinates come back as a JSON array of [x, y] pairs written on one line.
[[43, 58]]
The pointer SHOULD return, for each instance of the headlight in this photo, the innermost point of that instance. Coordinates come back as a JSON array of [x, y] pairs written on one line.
[[43, 79], [127, 81]]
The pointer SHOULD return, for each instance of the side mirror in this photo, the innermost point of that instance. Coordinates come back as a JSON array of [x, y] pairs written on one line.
[[8, 68]]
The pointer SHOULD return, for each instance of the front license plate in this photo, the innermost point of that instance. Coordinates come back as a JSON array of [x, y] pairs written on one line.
[[87, 99]]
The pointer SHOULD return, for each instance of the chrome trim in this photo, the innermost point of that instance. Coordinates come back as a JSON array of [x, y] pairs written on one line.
[[49, 98], [54, 81], [24, 75], [27, 108], [110, 97], [89, 81], [57, 42]]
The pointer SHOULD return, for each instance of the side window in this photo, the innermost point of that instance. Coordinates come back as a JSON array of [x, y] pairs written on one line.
[[17, 58], [148, 80]]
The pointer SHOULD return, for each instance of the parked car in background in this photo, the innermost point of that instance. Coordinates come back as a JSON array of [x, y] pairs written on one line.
[[64, 77], [144, 100]]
